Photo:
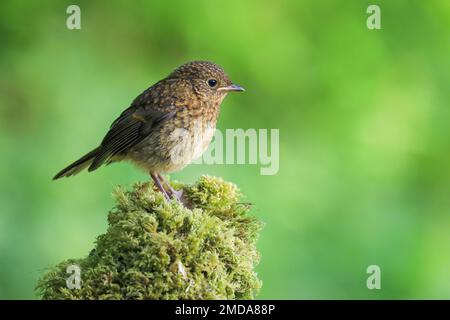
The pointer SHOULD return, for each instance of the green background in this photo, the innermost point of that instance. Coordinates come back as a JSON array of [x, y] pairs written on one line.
[[363, 117]]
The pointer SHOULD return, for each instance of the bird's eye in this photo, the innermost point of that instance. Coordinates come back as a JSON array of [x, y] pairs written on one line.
[[212, 83]]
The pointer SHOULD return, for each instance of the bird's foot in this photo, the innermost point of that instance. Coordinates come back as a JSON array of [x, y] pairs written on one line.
[[179, 196], [159, 185], [175, 194], [169, 192]]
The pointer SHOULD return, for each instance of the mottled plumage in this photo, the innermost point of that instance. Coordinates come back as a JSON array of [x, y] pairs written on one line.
[[166, 126]]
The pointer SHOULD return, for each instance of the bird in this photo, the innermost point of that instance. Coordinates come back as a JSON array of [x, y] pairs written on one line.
[[166, 127]]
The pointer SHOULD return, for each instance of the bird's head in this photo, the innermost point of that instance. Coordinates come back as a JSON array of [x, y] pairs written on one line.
[[209, 81]]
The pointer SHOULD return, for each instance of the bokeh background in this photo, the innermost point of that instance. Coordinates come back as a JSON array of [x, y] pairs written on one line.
[[364, 121]]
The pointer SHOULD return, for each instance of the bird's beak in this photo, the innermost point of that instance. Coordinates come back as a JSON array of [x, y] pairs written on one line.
[[232, 87]]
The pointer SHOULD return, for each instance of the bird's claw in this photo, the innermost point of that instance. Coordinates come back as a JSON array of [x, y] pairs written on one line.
[[176, 194]]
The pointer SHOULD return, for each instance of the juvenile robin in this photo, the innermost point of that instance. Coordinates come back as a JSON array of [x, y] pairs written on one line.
[[166, 127]]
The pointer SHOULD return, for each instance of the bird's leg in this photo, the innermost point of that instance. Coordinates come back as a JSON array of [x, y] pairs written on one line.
[[174, 193], [159, 185]]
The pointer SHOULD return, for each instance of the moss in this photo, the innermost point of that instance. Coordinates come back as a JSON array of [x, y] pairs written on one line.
[[159, 250]]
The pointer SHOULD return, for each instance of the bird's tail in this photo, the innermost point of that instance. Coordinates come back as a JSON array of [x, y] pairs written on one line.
[[78, 165]]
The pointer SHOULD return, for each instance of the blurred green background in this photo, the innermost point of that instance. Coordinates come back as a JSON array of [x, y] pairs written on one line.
[[364, 132]]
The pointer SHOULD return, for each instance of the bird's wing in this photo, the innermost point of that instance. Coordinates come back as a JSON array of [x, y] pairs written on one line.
[[130, 128]]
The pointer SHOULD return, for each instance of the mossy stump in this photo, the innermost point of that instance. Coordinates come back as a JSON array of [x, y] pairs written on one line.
[[155, 249]]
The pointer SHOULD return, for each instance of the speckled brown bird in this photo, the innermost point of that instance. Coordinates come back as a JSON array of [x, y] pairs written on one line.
[[166, 127]]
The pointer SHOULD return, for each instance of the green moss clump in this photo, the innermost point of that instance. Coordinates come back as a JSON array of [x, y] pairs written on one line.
[[159, 250]]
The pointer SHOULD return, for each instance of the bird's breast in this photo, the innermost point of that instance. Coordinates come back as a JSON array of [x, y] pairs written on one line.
[[175, 144], [188, 143]]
